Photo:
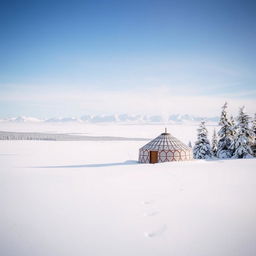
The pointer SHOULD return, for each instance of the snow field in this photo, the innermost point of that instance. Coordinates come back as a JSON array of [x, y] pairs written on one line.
[[92, 198], [184, 132]]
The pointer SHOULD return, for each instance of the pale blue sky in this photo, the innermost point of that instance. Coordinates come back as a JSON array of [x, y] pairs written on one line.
[[60, 58]]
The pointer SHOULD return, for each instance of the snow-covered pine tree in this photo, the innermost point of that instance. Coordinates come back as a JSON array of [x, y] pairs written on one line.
[[226, 135], [214, 143], [244, 138], [254, 124], [243, 121], [233, 129], [254, 131], [242, 149], [202, 148]]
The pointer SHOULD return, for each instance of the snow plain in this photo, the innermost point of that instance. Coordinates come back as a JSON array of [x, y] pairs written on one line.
[[92, 198]]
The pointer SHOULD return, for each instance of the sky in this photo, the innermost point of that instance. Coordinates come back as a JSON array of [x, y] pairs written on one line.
[[71, 58]]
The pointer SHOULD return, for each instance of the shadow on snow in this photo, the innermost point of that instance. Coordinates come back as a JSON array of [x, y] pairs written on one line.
[[130, 162]]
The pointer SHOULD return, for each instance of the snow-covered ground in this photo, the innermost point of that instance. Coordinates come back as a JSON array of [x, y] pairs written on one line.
[[92, 198], [185, 132]]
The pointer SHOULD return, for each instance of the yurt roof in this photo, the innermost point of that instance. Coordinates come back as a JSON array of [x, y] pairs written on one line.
[[165, 141]]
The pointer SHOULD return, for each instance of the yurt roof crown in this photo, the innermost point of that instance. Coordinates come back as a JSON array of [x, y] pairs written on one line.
[[165, 141]]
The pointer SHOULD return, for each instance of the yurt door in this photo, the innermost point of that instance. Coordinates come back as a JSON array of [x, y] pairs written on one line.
[[153, 157]]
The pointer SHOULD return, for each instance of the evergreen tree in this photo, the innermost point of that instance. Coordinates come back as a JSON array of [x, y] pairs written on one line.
[[254, 124], [243, 122], [214, 143], [226, 135], [254, 131], [233, 129], [202, 148], [245, 136], [242, 148]]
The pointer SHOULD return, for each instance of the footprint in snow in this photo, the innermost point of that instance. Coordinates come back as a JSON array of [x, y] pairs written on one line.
[[150, 214], [148, 202], [156, 232]]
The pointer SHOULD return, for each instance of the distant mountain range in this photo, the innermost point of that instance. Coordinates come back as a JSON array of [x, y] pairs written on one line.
[[118, 118]]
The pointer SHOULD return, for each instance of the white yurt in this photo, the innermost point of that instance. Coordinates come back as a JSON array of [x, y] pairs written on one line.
[[165, 148]]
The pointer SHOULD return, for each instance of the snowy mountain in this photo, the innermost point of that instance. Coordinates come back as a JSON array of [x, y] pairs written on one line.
[[116, 118], [22, 119], [63, 120]]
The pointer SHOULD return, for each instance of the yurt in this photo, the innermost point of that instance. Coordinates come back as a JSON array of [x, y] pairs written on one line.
[[165, 148]]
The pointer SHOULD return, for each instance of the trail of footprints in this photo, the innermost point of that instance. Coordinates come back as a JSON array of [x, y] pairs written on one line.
[[151, 212]]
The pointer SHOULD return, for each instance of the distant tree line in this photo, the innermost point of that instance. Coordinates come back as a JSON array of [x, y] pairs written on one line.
[[235, 138]]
